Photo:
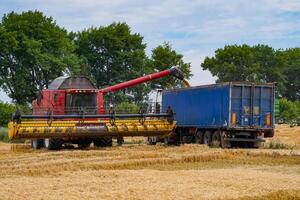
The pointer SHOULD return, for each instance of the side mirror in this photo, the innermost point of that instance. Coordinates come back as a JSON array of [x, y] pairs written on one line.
[[39, 97]]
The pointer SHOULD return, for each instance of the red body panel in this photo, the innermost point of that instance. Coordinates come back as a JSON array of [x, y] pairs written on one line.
[[100, 103], [53, 100]]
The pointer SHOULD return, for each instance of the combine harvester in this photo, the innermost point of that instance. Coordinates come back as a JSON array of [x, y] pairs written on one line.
[[72, 111]]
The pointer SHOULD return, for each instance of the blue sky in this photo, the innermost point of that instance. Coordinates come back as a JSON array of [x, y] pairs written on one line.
[[194, 28]]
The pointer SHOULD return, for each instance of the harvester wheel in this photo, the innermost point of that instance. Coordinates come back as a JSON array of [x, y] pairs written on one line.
[[103, 142], [84, 144], [37, 143], [120, 141], [216, 139], [207, 138], [52, 144]]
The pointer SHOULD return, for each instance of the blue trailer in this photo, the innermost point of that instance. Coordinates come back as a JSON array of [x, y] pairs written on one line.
[[225, 114]]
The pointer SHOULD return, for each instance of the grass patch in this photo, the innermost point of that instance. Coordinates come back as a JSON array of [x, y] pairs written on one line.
[[277, 144]]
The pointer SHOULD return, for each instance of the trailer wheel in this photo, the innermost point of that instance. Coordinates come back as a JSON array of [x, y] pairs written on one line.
[[187, 139], [199, 137], [172, 139], [37, 143], [224, 143], [103, 142], [207, 138], [256, 145], [52, 144], [216, 139]]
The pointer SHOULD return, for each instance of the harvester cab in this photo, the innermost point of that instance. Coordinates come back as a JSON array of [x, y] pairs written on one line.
[[71, 110], [67, 95]]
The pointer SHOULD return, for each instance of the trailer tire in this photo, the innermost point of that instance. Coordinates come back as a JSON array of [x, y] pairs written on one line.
[[172, 139], [256, 145], [187, 139], [224, 143], [216, 139], [53, 144], [207, 138], [37, 143], [103, 142], [199, 137]]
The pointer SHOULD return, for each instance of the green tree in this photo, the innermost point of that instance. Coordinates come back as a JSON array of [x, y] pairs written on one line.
[[289, 110], [34, 50], [7, 110], [291, 65], [163, 57], [126, 107], [114, 55], [245, 63]]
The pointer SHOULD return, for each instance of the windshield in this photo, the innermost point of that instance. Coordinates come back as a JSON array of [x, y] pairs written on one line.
[[78, 103]]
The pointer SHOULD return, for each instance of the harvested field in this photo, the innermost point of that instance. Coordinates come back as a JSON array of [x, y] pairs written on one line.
[[138, 171], [287, 135]]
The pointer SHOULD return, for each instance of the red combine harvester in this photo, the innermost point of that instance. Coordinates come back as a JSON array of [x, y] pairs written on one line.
[[72, 110]]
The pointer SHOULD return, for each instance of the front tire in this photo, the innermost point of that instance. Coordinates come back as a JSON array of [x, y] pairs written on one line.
[[120, 141], [53, 144], [83, 144], [103, 142], [37, 143]]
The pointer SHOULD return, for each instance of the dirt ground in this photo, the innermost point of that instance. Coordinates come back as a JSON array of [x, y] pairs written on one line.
[[139, 171]]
